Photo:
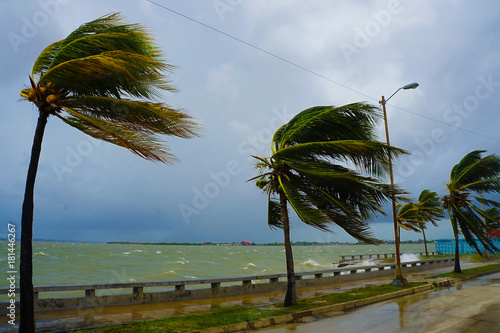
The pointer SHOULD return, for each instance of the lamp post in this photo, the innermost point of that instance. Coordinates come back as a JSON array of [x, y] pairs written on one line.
[[399, 280]]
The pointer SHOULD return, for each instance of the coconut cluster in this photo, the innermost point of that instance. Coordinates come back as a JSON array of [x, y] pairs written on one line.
[[46, 97]]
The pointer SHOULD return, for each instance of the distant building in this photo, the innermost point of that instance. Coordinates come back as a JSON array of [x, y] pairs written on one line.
[[494, 234], [447, 246], [246, 243]]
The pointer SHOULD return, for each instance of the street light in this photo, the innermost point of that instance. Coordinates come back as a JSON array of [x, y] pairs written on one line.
[[399, 280]]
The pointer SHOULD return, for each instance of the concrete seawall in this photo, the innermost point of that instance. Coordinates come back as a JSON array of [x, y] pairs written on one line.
[[209, 288]]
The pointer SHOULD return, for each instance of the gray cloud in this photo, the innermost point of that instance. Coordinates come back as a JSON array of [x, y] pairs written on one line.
[[90, 191]]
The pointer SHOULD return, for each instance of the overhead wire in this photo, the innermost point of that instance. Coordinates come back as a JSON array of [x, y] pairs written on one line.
[[311, 71]]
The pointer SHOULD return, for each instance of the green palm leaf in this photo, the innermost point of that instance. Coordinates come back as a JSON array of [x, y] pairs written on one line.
[[472, 174], [103, 80], [91, 80]]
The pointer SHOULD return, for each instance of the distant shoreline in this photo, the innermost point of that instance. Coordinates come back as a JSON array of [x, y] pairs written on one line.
[[301, 243]]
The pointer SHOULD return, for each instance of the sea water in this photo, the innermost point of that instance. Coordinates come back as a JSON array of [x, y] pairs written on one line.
[[83, 263]]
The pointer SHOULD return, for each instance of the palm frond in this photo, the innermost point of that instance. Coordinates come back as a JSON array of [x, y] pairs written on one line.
[[327, 123], [274, 213], [142, 144], [473, 229], [304, 209], [370, 156], [145, 116], [44, 60], [109, 73]]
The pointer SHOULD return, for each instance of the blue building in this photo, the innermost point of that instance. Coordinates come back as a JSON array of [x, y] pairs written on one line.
[[447, 246]]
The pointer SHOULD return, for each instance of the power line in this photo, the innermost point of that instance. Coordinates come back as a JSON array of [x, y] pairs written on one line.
[[313, 72]]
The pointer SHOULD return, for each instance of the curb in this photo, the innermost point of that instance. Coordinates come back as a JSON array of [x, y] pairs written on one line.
[[288, 318], [340, 307]]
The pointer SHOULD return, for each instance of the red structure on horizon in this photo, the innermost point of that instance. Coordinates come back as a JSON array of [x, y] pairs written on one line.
[[245, 243], [494, 234]]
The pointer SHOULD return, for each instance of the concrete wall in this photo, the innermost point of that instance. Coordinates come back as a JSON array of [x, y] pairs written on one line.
[[209, 288]]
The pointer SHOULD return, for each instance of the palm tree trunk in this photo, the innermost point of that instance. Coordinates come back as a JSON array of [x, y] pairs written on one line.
[[457, 268], [27, 323], [425, 243], [291, 296]]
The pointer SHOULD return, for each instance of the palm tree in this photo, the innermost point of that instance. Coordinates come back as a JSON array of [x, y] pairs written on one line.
[[473, 174], [415, 216], [102, 79], [494, 221], [310, 170]]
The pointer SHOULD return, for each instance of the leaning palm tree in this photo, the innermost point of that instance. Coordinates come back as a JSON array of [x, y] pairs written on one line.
[[103, 80], [472, 175], [415, 216], [494, 222], [315, 167]]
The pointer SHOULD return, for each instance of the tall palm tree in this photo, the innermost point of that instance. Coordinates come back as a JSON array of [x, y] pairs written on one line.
[[415, 216], [472, 175], [103, 80], [315, 167]]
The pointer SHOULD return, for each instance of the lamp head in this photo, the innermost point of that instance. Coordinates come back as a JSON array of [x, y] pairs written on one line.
[[412, 85]]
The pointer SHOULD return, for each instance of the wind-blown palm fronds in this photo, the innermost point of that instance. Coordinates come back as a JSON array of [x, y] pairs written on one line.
[[316, 166], [103, 79], [479, 175], [415, 216]]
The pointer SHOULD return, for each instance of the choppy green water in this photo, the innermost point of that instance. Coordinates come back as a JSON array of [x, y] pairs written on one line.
[[76, 263]]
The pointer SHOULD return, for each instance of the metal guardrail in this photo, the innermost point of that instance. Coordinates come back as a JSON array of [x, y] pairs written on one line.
[[381, 255], [215, 283]]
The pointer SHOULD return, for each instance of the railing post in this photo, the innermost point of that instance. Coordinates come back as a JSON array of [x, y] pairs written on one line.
[[180, 287], [318, 275], [138, 291], [246, 283], [90, 293], [273, 280]]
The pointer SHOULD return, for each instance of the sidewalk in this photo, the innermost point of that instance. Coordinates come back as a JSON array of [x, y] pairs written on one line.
[[68, 320], [470, 306]]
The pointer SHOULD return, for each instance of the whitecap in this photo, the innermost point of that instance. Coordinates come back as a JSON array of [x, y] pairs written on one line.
[[250, 265], [41, 254], [170, 272], [407, 257], [311, 262], [126, 252], [190, 277], [158, 251]]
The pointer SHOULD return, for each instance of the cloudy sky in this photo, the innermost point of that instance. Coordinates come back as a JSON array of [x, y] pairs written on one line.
[[243, 69]]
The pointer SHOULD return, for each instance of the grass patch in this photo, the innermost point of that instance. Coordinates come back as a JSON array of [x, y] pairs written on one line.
[[467, 272], [351, 295], [220, 316], [223, 316]]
